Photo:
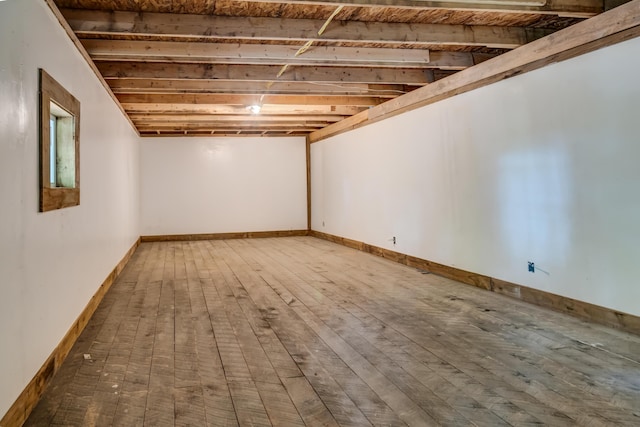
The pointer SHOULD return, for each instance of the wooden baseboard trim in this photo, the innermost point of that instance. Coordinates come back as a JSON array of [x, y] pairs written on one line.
[[24, 404], [223, 236], [583, 310]]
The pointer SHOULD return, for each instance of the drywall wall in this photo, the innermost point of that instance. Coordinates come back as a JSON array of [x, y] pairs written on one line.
[[541, 167], [53, 262], [219, 185]]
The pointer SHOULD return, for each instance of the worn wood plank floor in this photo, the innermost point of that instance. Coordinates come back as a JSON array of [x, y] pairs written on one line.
[[299, 331]]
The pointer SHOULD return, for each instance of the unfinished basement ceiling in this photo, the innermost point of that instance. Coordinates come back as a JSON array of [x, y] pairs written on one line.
[[196, 67]]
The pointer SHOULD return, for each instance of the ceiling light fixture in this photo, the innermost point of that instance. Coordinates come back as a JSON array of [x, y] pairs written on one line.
[[255, 109]]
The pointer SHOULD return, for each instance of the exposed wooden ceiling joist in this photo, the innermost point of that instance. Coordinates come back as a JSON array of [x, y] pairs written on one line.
[[87, 22], [179, 67], [125, 85], [231, 53], [246, 126], [575, 8], [192, 99], [255, 118], [252, 54], [218, 125], [221, 109], [223, 133], [266, 73]]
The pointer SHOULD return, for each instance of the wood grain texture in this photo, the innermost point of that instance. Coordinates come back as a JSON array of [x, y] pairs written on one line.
[[301, 331], [211, 99], [24, 404], [266, 73], [58, 198], [563, 7], [150, 86], [583, 310], [86, 22], [580, 309], [509, 12], [234, 53]]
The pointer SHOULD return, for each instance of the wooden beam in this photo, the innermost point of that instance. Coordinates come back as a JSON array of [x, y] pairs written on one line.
[[85, 22], [111, 70], [131, 86], [256, 54], [191, 127], [248, 124], [211, 109], [225, 132], [569, 8], [614, 26], [222, 127], [350, 123], [245, 100], [233, 53], [204, 118], [218, 134], [221, 131]]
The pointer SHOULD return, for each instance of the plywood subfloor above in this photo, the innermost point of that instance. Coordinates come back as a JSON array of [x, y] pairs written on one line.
[[299, 331]]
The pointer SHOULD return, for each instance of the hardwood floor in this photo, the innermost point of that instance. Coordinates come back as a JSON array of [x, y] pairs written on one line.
[[299, 331]]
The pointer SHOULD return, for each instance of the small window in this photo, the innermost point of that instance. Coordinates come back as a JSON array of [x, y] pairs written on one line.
[[59, 146]]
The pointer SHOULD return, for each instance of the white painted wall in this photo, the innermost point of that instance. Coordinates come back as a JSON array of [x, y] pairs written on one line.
[[52, 263], [541, 167], [219, 185]]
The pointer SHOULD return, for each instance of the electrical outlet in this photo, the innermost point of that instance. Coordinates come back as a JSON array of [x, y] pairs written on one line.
[[394, 240], [531, 267]]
